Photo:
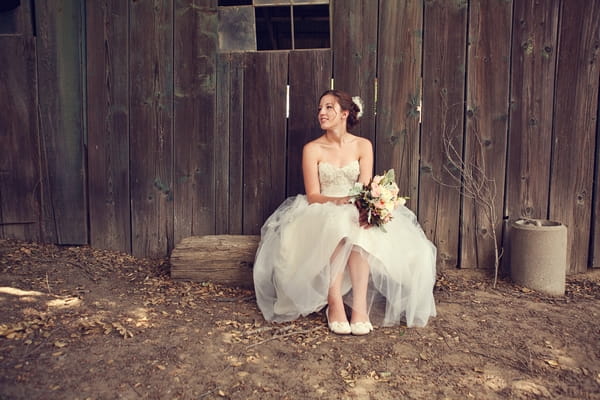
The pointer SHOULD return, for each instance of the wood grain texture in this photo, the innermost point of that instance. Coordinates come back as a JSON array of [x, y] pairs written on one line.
[[354, 43], [20, 189], [265, 80], [229, 142], [309, 76], [222, 141], [486, 133], [223, 259], [399, 93], [575, 106], [108, 124], [595, 245], [151, 126], [60, 70], [535, 28], [195, 132], [444, 73]]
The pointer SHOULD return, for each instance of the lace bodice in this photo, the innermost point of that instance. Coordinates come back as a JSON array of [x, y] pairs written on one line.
[[337, 181]]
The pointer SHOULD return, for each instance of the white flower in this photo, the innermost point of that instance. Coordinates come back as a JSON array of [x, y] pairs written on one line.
[[358, 101]]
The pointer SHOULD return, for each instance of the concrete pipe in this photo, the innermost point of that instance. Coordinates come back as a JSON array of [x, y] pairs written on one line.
[[538, 255]]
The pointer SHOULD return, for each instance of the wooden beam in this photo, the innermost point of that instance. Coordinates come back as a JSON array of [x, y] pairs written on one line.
[[224, 259]]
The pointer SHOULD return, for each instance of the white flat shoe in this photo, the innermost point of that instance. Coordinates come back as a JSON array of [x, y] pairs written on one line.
[[341, 328], [361, 328]]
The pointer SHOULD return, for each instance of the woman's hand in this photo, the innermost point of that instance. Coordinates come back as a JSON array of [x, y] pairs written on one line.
[[363, 218], [342, 200]]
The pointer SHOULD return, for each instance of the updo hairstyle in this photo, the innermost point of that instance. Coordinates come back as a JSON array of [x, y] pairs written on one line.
[[346, 104]]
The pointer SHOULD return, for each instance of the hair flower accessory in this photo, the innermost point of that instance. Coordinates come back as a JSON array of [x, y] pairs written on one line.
[[358, 101]]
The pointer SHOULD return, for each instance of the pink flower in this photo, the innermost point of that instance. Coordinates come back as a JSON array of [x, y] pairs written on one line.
[[375, 190]]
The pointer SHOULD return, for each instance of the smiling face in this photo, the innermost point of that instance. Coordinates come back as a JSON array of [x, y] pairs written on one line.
[[330, 114]]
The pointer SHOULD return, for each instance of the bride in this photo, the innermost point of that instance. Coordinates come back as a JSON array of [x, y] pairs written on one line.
[[317, 249]]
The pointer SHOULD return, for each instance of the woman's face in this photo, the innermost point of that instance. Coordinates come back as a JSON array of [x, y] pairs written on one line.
[[330, 113]]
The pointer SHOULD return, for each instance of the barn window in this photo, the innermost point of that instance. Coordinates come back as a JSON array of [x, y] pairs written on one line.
[[8, 16], [247, 25]]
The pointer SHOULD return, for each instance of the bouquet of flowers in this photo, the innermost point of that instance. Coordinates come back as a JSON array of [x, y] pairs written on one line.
[[378, 199]]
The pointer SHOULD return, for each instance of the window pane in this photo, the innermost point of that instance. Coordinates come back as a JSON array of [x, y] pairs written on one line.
[[311, 27], [9, 12], [236, 29], [310, 1], [235, 2], [273, 28], [272, 2]]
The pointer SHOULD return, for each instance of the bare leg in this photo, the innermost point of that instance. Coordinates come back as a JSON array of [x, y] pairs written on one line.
[[335, 302], [359, 275]]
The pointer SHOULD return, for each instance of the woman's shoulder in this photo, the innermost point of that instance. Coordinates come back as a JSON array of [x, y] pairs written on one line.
[[315, 144], [363, 142]]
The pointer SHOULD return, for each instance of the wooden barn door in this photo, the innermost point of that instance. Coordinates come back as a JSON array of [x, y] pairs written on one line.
[[20, 191], [259, 139]]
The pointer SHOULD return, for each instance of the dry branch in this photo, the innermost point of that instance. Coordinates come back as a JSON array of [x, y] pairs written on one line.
[[469, 177]]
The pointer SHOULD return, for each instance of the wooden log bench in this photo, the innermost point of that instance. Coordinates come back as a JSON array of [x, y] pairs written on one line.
[[223, 259]]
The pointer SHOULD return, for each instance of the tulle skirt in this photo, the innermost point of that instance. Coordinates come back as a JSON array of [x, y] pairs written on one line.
[[304, 246]]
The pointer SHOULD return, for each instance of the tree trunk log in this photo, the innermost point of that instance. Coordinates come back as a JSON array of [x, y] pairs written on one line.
[[223, 259]]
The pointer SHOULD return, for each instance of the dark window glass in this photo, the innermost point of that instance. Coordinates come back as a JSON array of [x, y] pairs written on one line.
[[9, 13], [226, 3], [9, 5], [311, 27], [273, 28]]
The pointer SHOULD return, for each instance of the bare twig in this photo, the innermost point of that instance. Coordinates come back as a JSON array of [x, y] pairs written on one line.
[[48, 284], [470, 177]]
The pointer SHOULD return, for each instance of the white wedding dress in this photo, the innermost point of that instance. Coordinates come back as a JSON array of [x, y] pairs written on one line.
[[295, 261]]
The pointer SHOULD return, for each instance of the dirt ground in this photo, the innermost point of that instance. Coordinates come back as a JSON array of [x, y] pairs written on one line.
[[79, 323]]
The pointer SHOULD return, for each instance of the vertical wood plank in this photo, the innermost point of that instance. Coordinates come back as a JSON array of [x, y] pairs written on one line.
[[443, 110], [236, 144], [595, 236], [575, 107], [265, 81], [309, 77], [399, 93], [533, 60], [229, 142], [486, 126], [108, 124], [60, 71], [354, 43], [151, 108], [194, 118], [19, 141], [222, 133]]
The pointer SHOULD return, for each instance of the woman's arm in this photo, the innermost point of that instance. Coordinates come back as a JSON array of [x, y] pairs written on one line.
[[365, 161], [310, 171]]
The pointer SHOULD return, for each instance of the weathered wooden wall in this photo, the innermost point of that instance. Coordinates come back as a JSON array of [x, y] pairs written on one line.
[[128, 129]]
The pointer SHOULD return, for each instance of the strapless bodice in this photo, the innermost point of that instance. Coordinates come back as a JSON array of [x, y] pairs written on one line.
[[337, 181]]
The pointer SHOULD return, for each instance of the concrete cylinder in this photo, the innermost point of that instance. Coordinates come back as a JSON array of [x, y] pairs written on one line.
[[538, 255]]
